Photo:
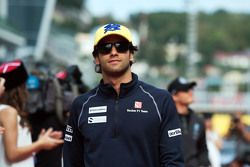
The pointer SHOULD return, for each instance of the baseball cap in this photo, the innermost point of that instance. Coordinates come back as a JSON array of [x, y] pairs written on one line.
[[180, 84], [112, 29], [14, 73]]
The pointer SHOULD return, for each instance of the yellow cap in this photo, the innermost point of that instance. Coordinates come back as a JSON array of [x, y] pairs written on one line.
[[112, 29]]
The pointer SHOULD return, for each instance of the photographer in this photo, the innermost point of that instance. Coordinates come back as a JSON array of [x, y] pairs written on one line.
[[240, 133], [242, 128]]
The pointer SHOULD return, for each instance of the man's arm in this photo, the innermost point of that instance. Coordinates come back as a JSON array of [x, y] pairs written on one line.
[[170, 143], [73, 153]]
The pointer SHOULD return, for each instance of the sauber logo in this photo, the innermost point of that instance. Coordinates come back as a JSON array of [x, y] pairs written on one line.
[[97, 119], [174, 132], [137, 108], [138, 104]]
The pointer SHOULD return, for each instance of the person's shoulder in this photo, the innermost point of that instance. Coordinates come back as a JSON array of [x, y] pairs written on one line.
[[84, 97], [7, 111], [153, 89], [7, 108]]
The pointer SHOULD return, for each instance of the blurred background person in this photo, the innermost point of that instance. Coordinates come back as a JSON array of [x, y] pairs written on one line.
[[242, 128], [214, 142], [39, 86], [50, 97], [72, 85], [239, 133], [16, 147], [193, 128]]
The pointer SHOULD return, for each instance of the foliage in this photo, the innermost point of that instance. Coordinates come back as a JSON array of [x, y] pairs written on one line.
[[219, 31], [222, 31]]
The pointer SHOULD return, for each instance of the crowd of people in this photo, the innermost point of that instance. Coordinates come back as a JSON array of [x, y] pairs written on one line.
[[123, 121]]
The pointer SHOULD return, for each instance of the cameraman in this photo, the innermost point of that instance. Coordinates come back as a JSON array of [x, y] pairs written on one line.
[[242, 128], [240, 133]]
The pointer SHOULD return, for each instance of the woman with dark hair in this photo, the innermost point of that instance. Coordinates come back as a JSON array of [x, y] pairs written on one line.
[[16, 147]]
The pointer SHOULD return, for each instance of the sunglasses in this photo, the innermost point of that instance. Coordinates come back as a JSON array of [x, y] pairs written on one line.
[[121, 47]]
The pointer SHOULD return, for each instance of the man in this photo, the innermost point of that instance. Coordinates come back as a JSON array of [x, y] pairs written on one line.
[[193, 128], [123, 122]]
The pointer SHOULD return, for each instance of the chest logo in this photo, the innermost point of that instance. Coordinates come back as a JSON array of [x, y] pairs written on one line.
[[98, 119], [138, 105], [99, 109], [137, 108]]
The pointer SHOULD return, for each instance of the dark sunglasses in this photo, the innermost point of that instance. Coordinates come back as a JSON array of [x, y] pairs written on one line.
[[121, 47]]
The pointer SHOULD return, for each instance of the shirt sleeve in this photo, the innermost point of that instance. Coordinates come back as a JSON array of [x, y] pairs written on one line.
[[170, 141], [73, 148]]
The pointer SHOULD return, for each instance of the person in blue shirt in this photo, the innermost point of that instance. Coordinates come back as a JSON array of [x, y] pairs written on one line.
[[123, 122]]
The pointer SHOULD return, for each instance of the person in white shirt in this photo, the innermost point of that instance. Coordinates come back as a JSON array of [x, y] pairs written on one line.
[[16, 147], [214, 142]]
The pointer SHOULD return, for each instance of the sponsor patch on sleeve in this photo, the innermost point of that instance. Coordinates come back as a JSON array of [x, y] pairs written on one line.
[[174, 132], [69, 129], [68, 138]]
